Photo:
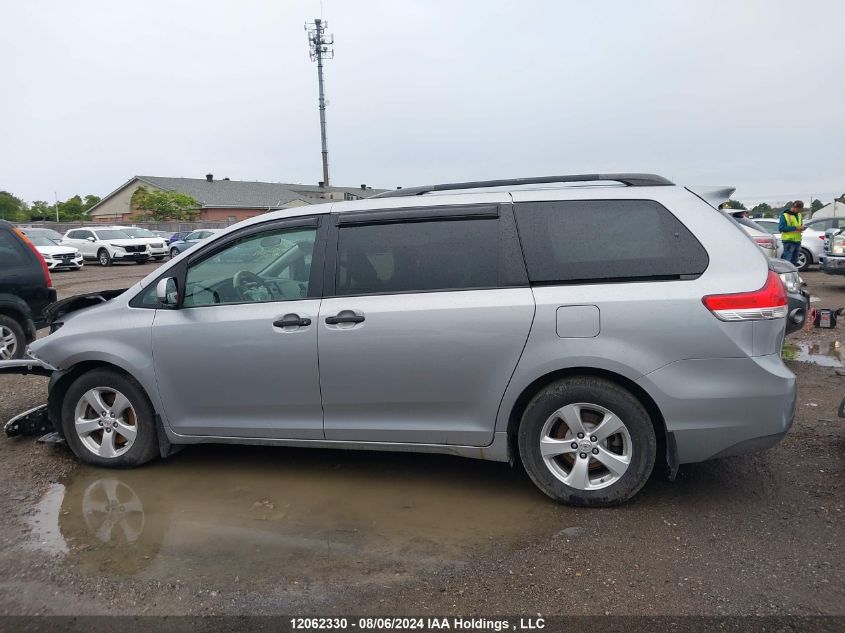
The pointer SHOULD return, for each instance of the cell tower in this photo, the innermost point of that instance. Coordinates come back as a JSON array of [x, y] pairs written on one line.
[[320, 47]]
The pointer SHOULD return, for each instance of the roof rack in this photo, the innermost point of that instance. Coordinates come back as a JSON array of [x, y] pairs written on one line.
[[631, 180]]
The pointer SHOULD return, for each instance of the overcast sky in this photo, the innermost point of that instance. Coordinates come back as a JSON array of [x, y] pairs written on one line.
[[748, 93]]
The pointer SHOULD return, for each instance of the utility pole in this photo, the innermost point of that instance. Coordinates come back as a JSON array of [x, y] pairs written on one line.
[[320, 47], [56, 197]]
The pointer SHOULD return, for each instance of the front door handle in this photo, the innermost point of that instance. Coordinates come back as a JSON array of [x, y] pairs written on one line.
[[292, 320], [351, 318]]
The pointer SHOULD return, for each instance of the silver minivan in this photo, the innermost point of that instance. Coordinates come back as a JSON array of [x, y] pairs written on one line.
[[591, 327]]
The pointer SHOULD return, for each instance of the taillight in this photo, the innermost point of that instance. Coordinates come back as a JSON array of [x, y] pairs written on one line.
[[44, 267], [767, 303], [763, 240]]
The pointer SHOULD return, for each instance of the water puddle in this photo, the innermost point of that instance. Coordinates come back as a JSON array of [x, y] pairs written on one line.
[[239, 516], [828, 355]]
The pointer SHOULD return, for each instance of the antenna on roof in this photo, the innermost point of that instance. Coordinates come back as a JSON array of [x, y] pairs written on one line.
[[321, 46]]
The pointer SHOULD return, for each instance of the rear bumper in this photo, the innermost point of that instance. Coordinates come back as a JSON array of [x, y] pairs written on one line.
[[723, 406], [832, 265]]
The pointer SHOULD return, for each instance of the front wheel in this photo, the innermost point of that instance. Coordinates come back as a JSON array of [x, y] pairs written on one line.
[[587, 441], [804, 260], [174, 253], [108, 420], [104, 258]]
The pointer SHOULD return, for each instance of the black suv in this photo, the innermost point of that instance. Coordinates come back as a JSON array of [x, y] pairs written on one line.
[[25, 289]]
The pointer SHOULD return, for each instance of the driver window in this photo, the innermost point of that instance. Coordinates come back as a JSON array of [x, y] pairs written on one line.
[[268, 266]]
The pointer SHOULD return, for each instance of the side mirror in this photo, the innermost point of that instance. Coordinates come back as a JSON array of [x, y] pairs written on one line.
[[167, 292], [90, 239]]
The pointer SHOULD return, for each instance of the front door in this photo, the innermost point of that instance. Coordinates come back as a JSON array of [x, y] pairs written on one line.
[[428, 321], [238, 358]]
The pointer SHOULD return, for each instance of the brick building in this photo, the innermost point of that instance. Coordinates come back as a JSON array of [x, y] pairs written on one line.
[[222, 200]]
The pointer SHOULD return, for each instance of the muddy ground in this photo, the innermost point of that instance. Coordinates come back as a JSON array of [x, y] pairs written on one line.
[[249, 530]]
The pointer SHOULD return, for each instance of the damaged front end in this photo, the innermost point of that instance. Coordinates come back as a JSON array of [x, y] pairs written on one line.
[[36, 421]]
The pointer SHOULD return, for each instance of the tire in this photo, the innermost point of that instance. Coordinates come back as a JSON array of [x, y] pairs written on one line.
[[805, 258], [174, 253], [158, 258], [12, 338], [579, 476], [103, 257], [107, 440]]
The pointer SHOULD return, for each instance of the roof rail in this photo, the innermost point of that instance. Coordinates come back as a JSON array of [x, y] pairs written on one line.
[[631, 180]]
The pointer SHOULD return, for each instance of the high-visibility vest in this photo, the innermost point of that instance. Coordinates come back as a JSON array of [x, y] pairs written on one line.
[[793, 221]]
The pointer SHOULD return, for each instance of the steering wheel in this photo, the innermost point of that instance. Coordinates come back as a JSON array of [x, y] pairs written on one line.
[[245, 281]]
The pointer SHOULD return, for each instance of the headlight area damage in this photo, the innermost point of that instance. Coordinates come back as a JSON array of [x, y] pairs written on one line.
[[35, 421]]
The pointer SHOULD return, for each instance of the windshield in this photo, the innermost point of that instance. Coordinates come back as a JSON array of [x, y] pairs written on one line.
[[48, 233], [113, 234], [40, 240], [138, 232]]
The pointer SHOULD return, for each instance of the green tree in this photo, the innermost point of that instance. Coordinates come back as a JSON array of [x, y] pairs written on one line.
[[12, 208], [815, 205], [41, 210], [763, 210], [733, 204], [71, 209], [164, 205], [90, 201]]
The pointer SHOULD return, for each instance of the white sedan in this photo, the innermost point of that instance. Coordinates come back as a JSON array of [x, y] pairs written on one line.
[[57, 256]]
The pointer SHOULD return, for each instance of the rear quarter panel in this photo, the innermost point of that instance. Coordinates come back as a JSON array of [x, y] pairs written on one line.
[[645, 325]]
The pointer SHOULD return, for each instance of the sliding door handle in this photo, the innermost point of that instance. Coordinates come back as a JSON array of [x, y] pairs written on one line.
[[351, 318]]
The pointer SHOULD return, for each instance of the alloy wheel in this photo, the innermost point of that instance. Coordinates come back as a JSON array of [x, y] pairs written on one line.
[[105, 422], [8, 343], [104, 259], [586, 446]]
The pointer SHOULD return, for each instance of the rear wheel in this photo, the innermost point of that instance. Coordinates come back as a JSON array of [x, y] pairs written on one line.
[[103, 257], [108, 420], [174, 253], [805, 258], [587, 441], [12, 339]]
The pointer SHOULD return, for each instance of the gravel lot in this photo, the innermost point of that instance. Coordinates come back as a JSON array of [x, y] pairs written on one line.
[[263, 530]]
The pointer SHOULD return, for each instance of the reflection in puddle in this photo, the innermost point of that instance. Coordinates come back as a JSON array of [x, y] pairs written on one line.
[[225, 515], [830, 355]]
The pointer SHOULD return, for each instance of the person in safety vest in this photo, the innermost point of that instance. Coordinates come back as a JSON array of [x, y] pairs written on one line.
[[791, 225]]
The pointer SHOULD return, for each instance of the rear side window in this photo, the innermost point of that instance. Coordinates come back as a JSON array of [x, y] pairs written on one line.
[[418, 256], [606, 240], [11, 251]]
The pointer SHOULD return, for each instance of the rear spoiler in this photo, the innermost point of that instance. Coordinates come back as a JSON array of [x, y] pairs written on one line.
[[714, 196]]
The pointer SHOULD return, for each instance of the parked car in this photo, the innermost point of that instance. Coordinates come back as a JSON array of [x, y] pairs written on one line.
[[798, 299], [191, 240], [832, 261], [769, 244], [477, 319], [157, 246], [50, 234], [56, 256], [165, 235], [812, 241], [825, 224], [25, 289], [107, 245], [179, 236]]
